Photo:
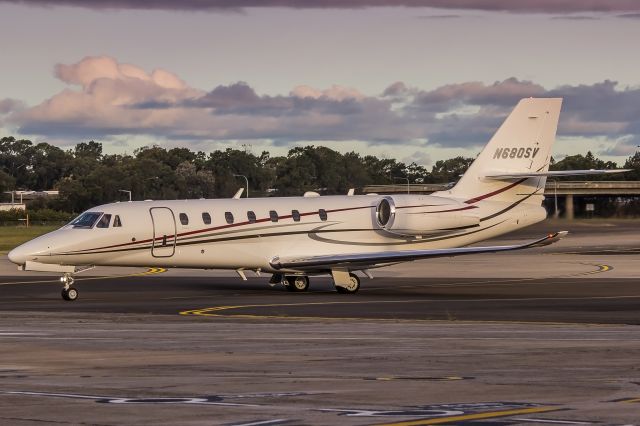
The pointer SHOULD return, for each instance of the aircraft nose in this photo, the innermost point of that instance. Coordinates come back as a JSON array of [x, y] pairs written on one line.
[[18, 255]]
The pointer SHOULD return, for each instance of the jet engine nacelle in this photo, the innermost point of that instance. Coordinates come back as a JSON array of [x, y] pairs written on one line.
[[403, 216]]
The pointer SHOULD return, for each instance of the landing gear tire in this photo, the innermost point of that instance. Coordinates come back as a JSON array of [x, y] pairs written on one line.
[[297, 283], [69, 294], [352, 287]]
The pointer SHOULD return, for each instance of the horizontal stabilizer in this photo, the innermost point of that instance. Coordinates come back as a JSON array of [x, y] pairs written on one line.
[[363, 260], [557, 173]]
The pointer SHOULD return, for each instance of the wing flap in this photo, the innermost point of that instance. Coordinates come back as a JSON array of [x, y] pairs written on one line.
[[359, 260]]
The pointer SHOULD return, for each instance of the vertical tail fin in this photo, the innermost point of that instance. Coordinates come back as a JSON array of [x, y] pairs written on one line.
[[522, 144]]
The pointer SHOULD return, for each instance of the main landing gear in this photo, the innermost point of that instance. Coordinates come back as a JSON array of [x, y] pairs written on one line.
[[349, 283], [352, 286], [68, 293], [297, 283]]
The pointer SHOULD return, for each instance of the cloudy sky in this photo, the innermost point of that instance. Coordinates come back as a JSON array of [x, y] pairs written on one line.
[[417, 80]]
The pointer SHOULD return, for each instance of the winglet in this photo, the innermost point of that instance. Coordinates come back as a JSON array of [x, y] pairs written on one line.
[[549, 239]]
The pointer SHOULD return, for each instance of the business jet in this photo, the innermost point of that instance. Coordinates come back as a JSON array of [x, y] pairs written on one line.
[[293, 238]]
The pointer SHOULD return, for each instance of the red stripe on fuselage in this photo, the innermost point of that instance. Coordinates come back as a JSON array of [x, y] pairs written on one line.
[[216, 228], [491, 194], [453, 210]]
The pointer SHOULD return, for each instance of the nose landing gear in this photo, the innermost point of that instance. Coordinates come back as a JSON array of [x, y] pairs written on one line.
[[68, 293]]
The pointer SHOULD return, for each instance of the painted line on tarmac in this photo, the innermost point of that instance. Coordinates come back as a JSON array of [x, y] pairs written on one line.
[[427, 379], [475, 416], [221, 311], [627, 400], [263, 423], [560, 422], [212, 311], [214, 400], [149, 271], [600, 269]]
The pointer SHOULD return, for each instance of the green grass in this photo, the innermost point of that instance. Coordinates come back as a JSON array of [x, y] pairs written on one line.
[[13, 236]]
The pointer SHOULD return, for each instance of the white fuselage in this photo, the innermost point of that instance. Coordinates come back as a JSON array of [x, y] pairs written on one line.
[[152, 233]]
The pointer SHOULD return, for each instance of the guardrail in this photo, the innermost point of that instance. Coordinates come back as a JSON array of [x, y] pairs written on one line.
[[602, 188]]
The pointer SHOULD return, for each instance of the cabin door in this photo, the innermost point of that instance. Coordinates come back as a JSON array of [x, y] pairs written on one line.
[[164, 232]]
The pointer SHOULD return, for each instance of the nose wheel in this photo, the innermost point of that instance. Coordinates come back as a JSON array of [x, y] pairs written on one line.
[[68, 293]]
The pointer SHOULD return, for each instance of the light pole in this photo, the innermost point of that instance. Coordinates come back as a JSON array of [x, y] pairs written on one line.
[[144, 186], [246, 180], [13, 194], [15, 169], [406, 178], [127, 191], [555, 198]]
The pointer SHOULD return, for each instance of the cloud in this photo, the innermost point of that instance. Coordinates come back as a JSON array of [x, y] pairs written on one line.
[[625, 146], [599, 110], [630, 16], [9, 105], [422, 158], [577, 18], [94, 68], [505, 93], [520, 6], [100, 107], [396, 90], [105, 98], [437, 17], [335, 92], [111, 98]]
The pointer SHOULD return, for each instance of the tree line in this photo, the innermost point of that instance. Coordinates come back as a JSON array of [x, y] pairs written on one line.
[[86, 176]]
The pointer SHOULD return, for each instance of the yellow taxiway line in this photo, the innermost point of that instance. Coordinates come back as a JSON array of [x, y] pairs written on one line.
[[601, 268], [476, 416], [220, 311]]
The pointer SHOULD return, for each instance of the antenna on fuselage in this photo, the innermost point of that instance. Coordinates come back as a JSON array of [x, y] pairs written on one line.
[[238, 194]]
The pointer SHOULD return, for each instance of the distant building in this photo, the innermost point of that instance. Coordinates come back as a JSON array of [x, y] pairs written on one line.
[[23, 196], [32, 195], [11, 206]]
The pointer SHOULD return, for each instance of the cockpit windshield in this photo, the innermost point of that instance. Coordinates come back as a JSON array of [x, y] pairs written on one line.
[[86, 220]]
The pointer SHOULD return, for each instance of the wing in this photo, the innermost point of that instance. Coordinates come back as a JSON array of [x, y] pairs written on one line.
[[556, 173], [364, 260]]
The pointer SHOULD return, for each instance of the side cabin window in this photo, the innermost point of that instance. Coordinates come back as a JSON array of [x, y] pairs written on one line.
[[117, 223], [295, 214], [184, 219], [228, 217], [104, 221], [251, 216], [206, 218], [273, 215], [323, 214]]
